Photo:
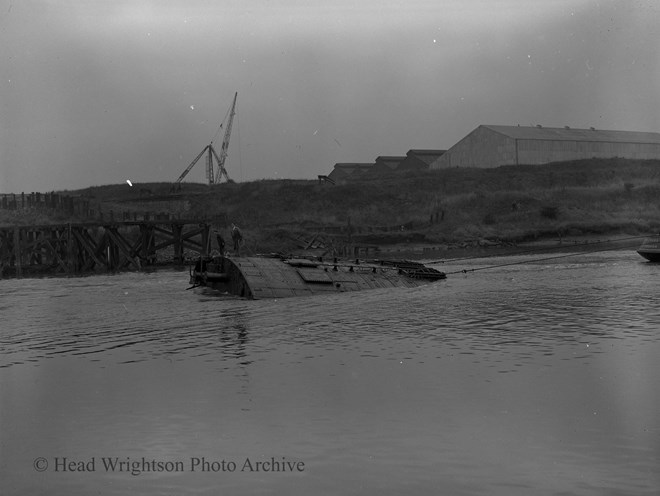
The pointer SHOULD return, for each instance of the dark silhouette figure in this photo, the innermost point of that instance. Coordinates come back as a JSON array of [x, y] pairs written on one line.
[[221, 243], [237, 238]]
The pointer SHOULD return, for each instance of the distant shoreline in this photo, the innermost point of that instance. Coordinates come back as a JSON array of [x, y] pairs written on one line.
[[441, 252]]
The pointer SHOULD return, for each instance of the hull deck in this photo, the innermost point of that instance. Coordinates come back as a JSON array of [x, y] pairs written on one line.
[[650, 249], [265, 277]]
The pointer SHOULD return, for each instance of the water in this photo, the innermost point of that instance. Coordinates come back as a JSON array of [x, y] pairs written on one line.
[[538, 378]]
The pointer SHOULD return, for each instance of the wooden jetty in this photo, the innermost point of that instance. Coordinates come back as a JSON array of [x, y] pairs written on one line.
[[79, 248], [281, 277]]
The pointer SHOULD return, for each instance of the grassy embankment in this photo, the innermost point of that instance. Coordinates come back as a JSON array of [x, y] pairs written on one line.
[[603, 197]]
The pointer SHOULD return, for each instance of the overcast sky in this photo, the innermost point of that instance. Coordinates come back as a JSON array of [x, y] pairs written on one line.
[[95, 92]]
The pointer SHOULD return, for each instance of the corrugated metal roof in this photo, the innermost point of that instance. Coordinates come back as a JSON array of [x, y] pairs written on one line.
[[390, 162], [425, 156], [569, 134], [389, 158], [352, 165], [425, 152]]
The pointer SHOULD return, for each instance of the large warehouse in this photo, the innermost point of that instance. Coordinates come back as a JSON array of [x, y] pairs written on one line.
[[492, 146]]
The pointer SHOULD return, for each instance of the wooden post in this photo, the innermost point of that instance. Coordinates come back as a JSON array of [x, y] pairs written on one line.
[[148, 245], [3, 244], [205, 240], [17, 252], [144, 234], [34, 236], [3, 248], [178, 245], [69, 250], [152, 246]]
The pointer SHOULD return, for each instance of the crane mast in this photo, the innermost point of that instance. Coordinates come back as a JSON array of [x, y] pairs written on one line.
[[225, 146]]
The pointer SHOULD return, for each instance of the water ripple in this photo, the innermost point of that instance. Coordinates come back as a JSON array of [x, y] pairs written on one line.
[[519, 311]]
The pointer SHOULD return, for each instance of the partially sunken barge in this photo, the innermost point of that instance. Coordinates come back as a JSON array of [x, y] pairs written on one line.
[[280, 277]]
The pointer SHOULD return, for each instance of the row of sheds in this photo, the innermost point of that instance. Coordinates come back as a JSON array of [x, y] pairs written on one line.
[[490, 146], [414, 160]]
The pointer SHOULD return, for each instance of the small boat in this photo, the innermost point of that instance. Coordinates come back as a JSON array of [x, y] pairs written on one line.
[[650, 249], [280, 277]]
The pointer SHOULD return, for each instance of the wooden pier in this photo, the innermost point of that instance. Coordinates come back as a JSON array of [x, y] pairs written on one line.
[[80, 248]]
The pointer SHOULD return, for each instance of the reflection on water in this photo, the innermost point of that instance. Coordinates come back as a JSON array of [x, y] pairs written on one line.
[[531, 378]]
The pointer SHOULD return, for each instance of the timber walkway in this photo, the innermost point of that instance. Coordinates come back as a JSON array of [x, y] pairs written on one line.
[[97, 247]]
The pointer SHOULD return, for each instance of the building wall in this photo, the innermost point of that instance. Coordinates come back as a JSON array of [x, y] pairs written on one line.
[[541, 152], [413, 163], [481, 148], [436, 163], [337, 175], [379, 169], [341, 175]]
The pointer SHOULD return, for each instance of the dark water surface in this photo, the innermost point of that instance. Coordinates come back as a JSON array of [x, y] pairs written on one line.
[[538, 378]]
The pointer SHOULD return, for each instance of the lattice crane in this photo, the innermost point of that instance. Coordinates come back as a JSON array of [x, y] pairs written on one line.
[[214, 177], [224, 149]]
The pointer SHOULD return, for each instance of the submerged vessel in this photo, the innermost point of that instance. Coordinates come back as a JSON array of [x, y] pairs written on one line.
[[281, 277], [650, 249]]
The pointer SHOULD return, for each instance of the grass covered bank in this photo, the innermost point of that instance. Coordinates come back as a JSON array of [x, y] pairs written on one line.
[[453, 207], [510, 204]]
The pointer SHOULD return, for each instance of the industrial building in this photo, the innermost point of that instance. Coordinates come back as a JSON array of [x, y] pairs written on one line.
[[385, 164], [344, 172], [493, 146], [414, 160], [420, 159]]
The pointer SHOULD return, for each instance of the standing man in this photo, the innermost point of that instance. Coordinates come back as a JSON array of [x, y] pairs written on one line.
[[221, 243], [237, 237]]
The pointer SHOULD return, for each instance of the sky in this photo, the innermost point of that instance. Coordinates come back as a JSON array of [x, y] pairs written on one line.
[[96, 92]]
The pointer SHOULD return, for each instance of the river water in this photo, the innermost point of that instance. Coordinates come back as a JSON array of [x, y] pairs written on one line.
[[537, 378]]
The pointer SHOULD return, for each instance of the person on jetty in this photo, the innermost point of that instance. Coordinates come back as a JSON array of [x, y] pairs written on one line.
[[237, 237], [221, 243]]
